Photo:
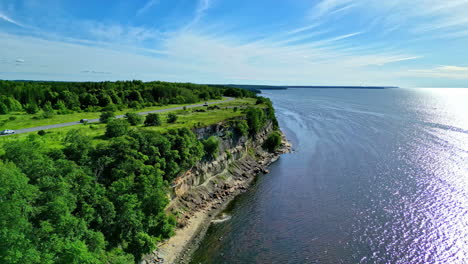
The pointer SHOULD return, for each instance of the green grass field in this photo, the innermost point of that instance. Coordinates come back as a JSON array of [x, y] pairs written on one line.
[[188, 118], [23, 120]]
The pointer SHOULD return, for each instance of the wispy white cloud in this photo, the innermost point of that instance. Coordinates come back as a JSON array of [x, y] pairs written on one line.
[[119, 33], [416, 16], [452, 68], [10, 20], [302, 29], [445, 71], [203, 6], [150, 4]]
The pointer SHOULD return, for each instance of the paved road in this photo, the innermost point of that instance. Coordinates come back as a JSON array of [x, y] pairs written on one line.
[[33, 129]]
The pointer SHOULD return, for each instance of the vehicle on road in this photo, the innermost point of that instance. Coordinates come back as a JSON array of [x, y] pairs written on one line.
[[84, 121], [7, 132], [206, 104]]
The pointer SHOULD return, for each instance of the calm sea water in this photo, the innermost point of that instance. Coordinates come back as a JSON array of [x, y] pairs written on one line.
[[377, 176]]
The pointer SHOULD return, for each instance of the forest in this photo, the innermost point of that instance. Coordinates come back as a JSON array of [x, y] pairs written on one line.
[[66, 97], [100, 203]]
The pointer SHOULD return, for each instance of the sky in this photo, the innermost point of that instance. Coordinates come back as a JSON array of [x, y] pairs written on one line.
[[406, 43]]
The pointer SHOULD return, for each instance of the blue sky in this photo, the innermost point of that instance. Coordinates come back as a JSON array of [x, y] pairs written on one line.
[[417, 43]]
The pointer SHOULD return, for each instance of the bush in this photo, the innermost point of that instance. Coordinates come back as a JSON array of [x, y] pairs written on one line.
[[152, 120], [106, 116], [117, 128], [272, 142], [31, 109], [171, 118], [134, 118], [48, 111], [12, 118], [255, 120], [211, 146], [241, 128], [41, 132]]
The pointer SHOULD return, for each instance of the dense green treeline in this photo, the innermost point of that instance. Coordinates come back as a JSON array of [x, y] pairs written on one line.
[[104, 203], [65, 97]]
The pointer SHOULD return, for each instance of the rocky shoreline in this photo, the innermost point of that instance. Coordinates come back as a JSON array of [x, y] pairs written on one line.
[[205, 206]]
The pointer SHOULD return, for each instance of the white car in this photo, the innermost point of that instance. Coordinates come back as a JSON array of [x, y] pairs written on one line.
[[7, 132]]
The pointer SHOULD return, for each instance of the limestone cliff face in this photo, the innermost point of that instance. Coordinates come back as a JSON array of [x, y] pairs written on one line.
[[238, 157]]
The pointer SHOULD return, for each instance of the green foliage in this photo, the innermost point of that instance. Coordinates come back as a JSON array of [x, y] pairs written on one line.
[[228, 155], [77, 147], [31, 108], [134, 119], [90, 204], [117, 128], [171, 118], [211, 147], [41, 132], [273, 141], [153, 120], [9, 104], [48, 111], [118, 256], [241, 128], [106, 116], [255, 120], [16, 207], [76, 96]]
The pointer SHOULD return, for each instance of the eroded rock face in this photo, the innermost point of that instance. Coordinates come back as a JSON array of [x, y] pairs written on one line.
[[206, 170]]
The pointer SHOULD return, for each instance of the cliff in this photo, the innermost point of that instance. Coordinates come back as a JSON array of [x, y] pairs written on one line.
[[203, 191]]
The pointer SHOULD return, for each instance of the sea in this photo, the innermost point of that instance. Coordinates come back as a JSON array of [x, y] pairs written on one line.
[[376, 176]]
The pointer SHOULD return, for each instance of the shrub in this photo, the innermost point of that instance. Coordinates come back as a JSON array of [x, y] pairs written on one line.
[[48, 110], [12, 118], [41, 132], [106, 116], [152, 120], [241, 128], [31, 109], [211, 146], [272, 142], [255, 120], [117, 128], [228, 155], [134, 118], [111, 108], [171, 118]]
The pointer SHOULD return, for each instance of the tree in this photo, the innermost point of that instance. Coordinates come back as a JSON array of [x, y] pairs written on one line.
[[16, 207], [31, 108], [255, 120], [106, 116], [241, 128], [77, 147], [273, 141], [171, 118], [117, 128], [211, 146], [134, 118], [152, 120], [48, 110]]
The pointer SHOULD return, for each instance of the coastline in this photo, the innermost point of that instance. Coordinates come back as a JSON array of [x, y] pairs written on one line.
[[180, 247]]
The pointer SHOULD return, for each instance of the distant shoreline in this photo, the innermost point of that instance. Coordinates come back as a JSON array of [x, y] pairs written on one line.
[[342, 87], [259, 88]]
